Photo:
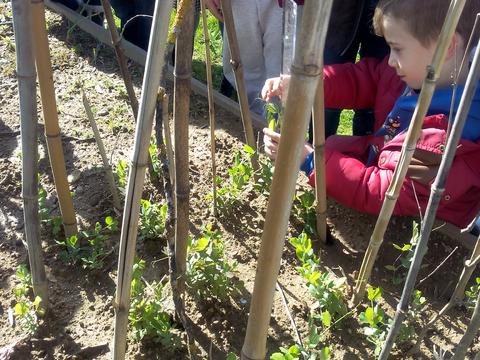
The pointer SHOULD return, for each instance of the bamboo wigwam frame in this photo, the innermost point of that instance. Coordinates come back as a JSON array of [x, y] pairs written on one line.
[[436, 192], [26, 76], [306, 70], [408, 148], [237, 68], [181, 115], [128, 237], [52, 129]]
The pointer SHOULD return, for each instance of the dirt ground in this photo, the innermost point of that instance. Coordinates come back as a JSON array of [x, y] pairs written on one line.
[[79, 324]]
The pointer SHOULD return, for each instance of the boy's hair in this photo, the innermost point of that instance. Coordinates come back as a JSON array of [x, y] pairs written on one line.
[[425, 18]]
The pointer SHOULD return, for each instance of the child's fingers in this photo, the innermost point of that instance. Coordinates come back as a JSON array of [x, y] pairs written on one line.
[[271, 134]]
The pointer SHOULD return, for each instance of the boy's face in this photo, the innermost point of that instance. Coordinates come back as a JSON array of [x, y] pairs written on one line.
[[408, 56]]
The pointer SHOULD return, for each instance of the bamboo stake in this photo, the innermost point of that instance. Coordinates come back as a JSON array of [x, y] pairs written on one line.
[[211, 104], [181, 113], [52, 129], [101, 148], [470, 333], [168, 142], [437, 190], [128, 237], [458, 295], [170, 217], [22, 26], [237, 67], [306, 70], [408, 148], [319, 158], [122, 61]]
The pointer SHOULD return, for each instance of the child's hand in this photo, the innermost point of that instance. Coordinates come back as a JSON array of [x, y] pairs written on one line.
[[275, 87], [271, 139]]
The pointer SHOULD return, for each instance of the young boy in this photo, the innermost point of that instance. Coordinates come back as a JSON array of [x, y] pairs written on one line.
[[360, 169]]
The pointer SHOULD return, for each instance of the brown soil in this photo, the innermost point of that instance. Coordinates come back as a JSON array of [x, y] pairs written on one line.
[[79, 324]]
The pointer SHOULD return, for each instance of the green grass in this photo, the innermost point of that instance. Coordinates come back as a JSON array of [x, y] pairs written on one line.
[[198, 65], [345, 126]]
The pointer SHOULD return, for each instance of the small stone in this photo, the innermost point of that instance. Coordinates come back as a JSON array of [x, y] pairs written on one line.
[[103, 112], [74, 176]]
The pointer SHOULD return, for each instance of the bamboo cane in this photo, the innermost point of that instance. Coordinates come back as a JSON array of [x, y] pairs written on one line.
[[437, 190], [306, 70], [470, 333], [408, 148], [122, 61], [211, 104], [128, 237], [101, 148], [319, 158], [236, 62], [52, 129], [181, 113], [22, 26], [168, 142]]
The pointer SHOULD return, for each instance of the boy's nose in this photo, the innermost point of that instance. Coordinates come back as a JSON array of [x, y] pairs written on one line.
[[392, 61]]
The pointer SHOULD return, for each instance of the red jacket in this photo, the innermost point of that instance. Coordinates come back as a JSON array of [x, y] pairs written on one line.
[[373, 84]]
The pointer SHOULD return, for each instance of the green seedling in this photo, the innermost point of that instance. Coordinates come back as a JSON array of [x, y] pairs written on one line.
[[274, 115], [55, 222], [402, 262], [152, 220], [209, 273], [472, 294], [148, 317], [376, 323], [122, 175], [304, 209], [26, 311], [88, 247], [324, 288], [228, 194]]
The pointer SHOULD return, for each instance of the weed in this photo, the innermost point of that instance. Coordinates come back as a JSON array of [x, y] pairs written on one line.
[[472, 294], [94, 250], [152, 220], [402, 262], [147, 315], [326, 290], [209, 273], [27, 311], [274, 115]]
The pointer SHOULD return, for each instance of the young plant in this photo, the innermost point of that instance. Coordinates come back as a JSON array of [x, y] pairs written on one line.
[[209, 273], [402, 262], [122, 175], [148, 317], [304, 209], [274, 116], [326, 290], [94, 249], [374, 320], [311, 350], [54, 223], [472, 294], [376, 323], [26, 311], [152, 220], [239, 175]]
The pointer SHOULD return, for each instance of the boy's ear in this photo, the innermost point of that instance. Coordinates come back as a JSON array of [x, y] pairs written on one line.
[[456, 45]]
